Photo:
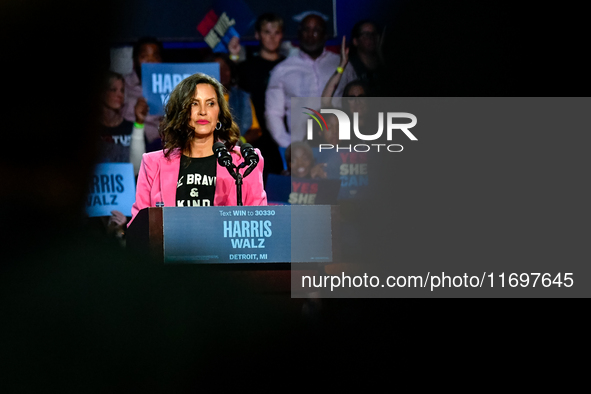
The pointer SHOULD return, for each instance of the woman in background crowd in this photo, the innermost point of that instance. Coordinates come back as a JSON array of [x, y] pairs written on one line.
[[362, 61], [121, 141]]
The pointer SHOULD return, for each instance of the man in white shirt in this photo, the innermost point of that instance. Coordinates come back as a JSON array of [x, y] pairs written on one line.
[[302, 75]]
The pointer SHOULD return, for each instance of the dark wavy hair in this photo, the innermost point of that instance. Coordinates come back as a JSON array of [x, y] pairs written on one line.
[[174, 128], [356, 82]]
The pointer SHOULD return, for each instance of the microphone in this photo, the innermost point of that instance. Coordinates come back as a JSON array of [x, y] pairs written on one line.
[[224, 157], [250, 157]]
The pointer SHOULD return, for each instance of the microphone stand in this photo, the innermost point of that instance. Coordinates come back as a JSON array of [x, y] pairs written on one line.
[[238, 177]]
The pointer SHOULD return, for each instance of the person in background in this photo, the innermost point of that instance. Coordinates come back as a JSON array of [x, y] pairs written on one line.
[[355, 101], [336, 79], [365, 58], [241, 106], [253, 77], [145, 50], [301, 163], [328, 158], [304, 75], [354, 92], [121, 141]]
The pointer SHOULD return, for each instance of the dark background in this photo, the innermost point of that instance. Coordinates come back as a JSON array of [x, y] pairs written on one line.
[[187, 15], [75, 315]]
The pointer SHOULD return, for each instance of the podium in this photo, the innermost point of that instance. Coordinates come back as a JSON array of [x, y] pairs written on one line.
[[259, 243], [226, 235]]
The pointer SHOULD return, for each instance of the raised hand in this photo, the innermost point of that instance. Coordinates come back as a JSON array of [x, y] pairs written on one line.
[[319, 171], [141, 110], [234, 48], [117, 219], [344, 54]]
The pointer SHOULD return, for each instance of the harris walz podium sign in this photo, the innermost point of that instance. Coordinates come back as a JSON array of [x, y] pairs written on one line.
[[237, 234]]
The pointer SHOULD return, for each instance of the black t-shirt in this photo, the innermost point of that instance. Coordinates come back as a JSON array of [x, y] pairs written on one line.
[[196, 184], [254, 77], [254, 74], [115, 143], [374, 79]]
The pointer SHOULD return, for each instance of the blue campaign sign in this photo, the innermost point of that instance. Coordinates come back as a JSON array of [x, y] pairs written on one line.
[[159, 79], [278, 188], [272, 234], [112, 188]]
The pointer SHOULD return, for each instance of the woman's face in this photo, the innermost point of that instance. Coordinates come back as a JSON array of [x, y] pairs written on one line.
[[356, 100], [301, 163], [149, 53], [204, 110], [368, 38], [115, 95]]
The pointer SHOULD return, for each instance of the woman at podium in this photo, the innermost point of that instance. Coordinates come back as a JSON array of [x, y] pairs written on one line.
[[186, 173]]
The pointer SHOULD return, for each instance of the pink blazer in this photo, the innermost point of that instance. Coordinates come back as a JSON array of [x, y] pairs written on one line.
[[158, 176]]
